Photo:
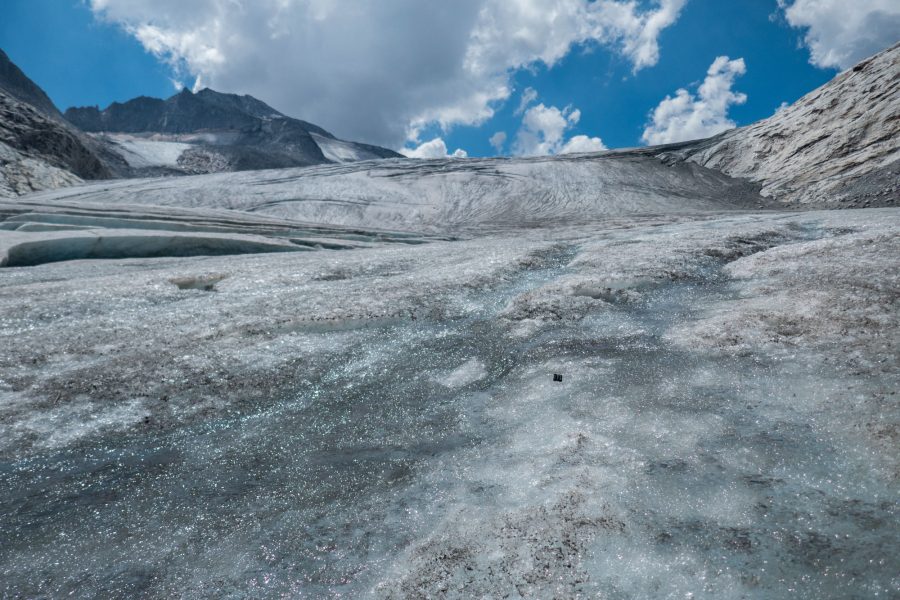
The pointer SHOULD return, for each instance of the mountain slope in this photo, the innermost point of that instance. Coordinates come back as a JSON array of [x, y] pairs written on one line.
[[224, 132], [38, 148], [22, 174], [15, 83], [186, 134], [838, 145], [38, 152]]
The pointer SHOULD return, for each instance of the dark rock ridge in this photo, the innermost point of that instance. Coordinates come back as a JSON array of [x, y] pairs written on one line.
[[15, 83], [240, 132], [184, 112]]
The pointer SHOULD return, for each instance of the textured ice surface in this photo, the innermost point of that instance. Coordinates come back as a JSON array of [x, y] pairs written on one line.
[[34, 233], [373, 414], [383, 422], [442, 195]]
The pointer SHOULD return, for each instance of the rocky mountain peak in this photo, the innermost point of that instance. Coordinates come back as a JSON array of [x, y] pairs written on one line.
[[15, 83], [223, 131]]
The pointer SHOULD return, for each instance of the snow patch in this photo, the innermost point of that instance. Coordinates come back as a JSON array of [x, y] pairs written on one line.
[[340, 151], [140, 152]]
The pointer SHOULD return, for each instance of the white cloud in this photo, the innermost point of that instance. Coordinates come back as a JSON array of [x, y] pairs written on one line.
[[528, 97], [519, 32], [436, 148], [543, 132], [582, 143], [690, 117], [840, 33], [382, 71], [498, 140]]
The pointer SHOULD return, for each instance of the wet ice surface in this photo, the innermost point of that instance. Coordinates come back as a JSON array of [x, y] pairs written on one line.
[[384, 423]]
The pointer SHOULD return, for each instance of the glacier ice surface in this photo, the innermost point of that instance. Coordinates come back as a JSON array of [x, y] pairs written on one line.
[[382, 422]]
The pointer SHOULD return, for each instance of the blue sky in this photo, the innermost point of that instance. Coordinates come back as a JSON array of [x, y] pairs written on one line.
[[76, 59], [82, 56], [614, 103]]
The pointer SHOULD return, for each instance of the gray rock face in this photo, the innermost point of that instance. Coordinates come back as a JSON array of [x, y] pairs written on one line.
[[230, 133], [21, 174], [837, 146], [40, 152], [39, 149], [184, 112]]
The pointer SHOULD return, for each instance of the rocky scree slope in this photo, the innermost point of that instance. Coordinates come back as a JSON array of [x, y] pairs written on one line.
[[836, 146]]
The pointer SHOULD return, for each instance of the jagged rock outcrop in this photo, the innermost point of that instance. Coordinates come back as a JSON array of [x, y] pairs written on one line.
[[836, 146], [32, 133]]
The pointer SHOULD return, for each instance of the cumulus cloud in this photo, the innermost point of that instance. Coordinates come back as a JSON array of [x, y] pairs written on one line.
[[840, 33], [520, 32], [582, 143], [498, 140], [689, 117], [543, 132], [382, 71], [435, 148]]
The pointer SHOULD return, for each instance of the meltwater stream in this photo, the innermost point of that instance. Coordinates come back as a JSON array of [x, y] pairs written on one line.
[[437, 458]]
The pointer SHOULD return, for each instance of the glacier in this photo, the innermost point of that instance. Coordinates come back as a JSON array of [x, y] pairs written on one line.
[[337, 381], [382, 421]]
